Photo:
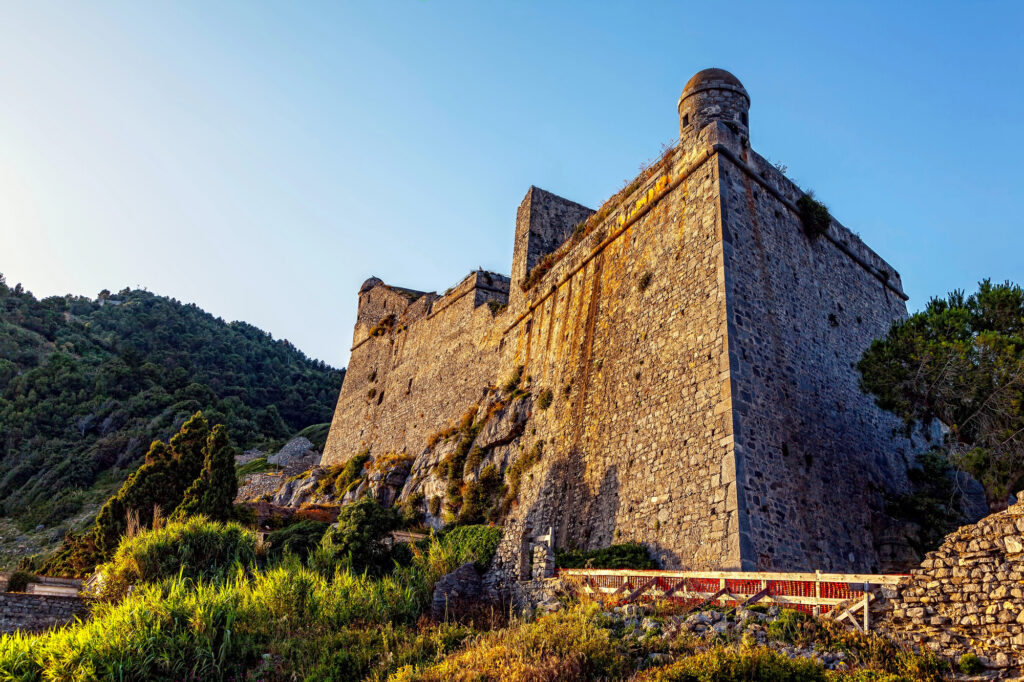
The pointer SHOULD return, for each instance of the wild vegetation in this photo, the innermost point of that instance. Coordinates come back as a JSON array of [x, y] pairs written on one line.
[[961, 361], [87, 384]]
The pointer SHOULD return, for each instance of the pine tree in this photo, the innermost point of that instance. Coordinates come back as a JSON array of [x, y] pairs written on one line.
[[212, 494]]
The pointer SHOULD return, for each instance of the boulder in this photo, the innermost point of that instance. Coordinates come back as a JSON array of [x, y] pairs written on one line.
[[505, 425], [456, 592]]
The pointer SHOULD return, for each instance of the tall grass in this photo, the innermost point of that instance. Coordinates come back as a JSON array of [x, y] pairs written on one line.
[[197, 548], [179, 628]]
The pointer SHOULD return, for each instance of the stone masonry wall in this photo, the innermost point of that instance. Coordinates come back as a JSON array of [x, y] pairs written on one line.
[[968, 596], [809, 443], [34, 612]]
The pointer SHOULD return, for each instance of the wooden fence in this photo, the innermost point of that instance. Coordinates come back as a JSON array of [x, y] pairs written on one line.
[[816, 593]]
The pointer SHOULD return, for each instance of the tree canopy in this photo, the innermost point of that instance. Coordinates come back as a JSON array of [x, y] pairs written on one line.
[[86, 385], [961, 361]]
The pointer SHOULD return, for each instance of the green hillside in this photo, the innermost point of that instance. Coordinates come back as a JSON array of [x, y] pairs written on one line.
[[87, 384]]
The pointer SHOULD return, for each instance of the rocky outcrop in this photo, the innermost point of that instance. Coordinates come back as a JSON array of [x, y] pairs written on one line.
[[456, 592], [295, 449], [967, 596]]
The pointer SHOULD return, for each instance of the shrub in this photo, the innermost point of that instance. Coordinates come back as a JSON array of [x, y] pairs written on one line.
[[645, 281], [567, 645], [298, 539], [434, 507], [514, 475], [19, 580], [626, 555], [359, 538], [255, 466], [472, 543], [340, 478], [213, 492], [814, 215], [727, 665], [970, 664], [194, 549], [512, 383], [545, 399]]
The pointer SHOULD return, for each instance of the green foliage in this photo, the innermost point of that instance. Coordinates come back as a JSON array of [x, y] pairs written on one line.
[[195, 549], [84, 389], [359, 539], [961, 361], [255, 466], [212, 494], [298, 539], [970, 664], [731, 665], [472, 543], [512, 383], [933, 506], [178, 629], [480, 496], [19, 580], [814, 215], [627, 555], [545, 399], [514, 475], [340, 478]]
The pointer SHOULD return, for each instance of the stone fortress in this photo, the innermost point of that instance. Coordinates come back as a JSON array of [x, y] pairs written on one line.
[[676, 369]]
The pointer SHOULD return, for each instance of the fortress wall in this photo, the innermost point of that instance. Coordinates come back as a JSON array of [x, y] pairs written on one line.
[[640, 448], [426, 371], [814, 452]]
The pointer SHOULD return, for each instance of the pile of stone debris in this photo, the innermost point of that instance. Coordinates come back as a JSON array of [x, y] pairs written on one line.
[[736, 625]]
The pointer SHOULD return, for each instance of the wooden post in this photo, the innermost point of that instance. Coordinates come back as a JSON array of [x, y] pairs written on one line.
[[817, 591], [721, 587], [867, 608]]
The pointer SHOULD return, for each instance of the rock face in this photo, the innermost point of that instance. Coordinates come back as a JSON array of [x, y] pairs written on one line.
[[462, 588], [968, 596]]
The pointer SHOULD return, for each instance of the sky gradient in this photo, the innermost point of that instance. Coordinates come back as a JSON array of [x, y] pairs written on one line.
[[261, 159]]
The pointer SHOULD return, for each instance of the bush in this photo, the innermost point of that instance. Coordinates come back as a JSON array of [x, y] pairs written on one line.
[[359, 540], [195, 549], [814, 215], [472, 543], [970, 664], [298, 539], [342, 477], [627, 555], [545, 399], [180, 630], [726, 665], [19, 580], [567, 645]]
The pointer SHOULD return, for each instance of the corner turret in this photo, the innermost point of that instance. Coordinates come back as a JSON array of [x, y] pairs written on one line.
[[713, 95]]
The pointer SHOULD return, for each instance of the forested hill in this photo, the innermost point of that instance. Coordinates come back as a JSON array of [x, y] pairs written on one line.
[[86, 385]]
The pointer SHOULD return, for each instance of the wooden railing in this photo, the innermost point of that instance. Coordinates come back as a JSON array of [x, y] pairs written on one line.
[[816, 593]]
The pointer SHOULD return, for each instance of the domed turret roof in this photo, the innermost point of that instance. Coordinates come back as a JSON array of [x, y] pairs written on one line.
[[710, 78]]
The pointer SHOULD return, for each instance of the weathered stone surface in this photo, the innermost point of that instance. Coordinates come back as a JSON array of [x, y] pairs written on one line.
[[455, 592], [34, 613], [294, 449], [981, 611], [699, 350]]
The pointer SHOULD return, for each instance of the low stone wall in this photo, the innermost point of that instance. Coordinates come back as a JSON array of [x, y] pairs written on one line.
[[968, 596], [36, 612]]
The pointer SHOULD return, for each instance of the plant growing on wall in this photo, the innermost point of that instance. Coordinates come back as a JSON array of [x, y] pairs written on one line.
[[814, 215]]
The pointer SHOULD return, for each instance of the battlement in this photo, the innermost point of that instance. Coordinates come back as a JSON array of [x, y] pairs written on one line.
[[695, 346]]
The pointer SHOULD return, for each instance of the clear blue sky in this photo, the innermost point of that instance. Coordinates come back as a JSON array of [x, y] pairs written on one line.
[[261, 159]]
